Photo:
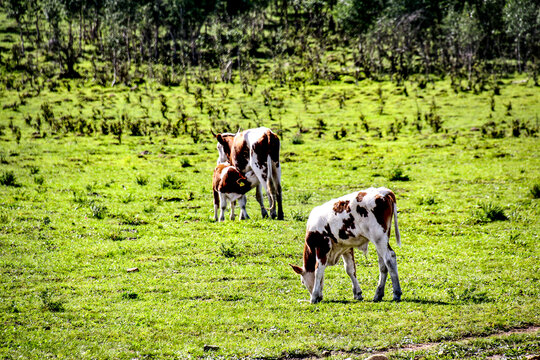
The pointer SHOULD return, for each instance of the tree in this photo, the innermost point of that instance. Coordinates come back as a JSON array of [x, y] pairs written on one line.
[[522, 20]]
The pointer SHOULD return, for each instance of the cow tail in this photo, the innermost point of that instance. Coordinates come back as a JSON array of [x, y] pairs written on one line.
[[270, 181], [398, 237]]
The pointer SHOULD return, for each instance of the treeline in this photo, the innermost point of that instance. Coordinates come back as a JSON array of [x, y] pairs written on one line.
[[307, 40]]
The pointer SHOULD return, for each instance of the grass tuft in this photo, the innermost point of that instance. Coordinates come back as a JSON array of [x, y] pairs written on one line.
[[490, 212], [98, 211], [171, 182], [397, 174], [228, 251], [7, 178], [49, 304], [535, 191], [141, 180]]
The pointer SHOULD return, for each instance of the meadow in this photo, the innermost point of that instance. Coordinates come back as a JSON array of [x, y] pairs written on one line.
[[96, 180]]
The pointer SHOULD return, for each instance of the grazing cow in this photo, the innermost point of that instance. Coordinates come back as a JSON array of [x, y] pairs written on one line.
[[335, 228], [229, 184], [256, 150]]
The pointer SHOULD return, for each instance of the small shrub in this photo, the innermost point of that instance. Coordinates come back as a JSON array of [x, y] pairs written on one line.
[[98, 210], [34, 170], [228, 251], [116, 236], [185, 163], [79, 197], [127, 199], [49, 304], [535, 191], [297, 139], [490, 212], [298, 215], [397, 175], [427, 200], [130, 295], [141, 180], [7, 178], [170, 182], [304, 198], [39, 180]]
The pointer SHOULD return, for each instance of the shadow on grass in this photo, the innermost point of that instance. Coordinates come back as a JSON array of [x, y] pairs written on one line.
[[414, 301]]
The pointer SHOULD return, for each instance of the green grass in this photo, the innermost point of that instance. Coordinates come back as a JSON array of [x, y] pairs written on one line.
[[206, 289]]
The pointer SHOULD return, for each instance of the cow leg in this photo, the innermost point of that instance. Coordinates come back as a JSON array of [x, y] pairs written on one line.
[[233, 204], [243, 213], [260, 200], [391, 264], [271, 191], [317, 293], [383, 274], [276, 178], [387, 263], [350, 268], [216, 205], [222, 206]]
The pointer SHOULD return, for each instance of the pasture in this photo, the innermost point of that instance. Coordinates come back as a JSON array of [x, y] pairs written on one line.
[[82, 202]]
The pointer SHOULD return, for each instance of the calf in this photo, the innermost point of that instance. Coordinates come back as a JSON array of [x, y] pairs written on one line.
[[335, 228], [256, 150], [229, 184]]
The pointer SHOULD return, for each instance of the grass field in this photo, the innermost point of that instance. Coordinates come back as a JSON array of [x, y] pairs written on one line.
[[78, 208]]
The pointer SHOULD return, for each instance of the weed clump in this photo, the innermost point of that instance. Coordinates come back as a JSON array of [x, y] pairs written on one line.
[[7, 178], [535, 191], [98, 211], [490, 212], [171, 182], [141, 180], [228, 251], [49, 304], [398, 175]]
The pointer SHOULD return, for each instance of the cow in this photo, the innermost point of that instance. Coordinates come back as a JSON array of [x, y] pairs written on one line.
[[229, 184], [256, 150], [335, 228]]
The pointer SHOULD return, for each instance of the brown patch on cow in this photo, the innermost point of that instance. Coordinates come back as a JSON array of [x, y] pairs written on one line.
[[240, 152], [227, 179], [361, 210], [267, 145], [316, 243], [384, 207], [345, 231], [342, 206], [360, 196]]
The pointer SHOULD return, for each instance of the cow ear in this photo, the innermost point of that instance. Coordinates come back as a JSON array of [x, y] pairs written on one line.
[[220, 140], [297, 269]]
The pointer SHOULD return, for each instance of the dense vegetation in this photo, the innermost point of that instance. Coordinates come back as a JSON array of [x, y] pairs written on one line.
[[105, 166], [128, 40]]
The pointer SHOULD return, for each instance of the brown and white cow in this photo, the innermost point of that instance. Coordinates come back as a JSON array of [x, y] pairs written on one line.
[[335, 228], [229, 184], [256, 150]]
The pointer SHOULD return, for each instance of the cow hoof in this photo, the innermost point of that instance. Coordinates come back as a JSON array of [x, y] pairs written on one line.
[[377, 298], [397, 298], [358, 297], [315, 300]]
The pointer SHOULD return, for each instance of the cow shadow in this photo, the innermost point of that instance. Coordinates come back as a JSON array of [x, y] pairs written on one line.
[[413, 301]]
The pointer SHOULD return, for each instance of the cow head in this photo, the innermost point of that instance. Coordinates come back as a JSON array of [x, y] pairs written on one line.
[[307, 277], [224, 145]]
